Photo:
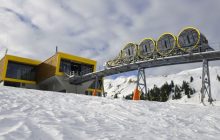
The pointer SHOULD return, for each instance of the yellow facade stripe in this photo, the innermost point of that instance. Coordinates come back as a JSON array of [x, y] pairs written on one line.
[[5, 68], [22, 60], [77, 58], [2, 69], [90, 89], [19, 81]]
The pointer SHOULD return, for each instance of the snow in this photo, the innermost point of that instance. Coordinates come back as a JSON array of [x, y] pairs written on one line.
[[123, 86], [40, 115]]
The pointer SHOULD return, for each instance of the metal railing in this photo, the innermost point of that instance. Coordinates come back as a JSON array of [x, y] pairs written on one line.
[[78, 74]]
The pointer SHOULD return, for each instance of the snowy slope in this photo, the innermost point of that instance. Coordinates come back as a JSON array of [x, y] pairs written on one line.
[[125, 85], [39, 115]]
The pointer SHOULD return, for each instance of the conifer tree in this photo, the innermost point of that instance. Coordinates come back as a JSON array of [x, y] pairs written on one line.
[[185, 87], [172, 84], [191, 79], [218, 77], [177, 92]]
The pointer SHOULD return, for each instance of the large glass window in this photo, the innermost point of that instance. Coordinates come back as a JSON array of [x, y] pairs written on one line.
[[68, 66], [20, 71]]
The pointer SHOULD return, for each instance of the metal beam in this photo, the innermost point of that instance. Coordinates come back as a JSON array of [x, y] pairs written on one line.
[[181, 59]]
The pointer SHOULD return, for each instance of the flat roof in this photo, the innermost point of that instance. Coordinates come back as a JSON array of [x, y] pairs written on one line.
[[22, 60], [76, 58], [63, 55]]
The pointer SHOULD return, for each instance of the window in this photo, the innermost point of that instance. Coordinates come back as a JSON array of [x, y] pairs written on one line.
[[20, 71], [65, 66], [188, 39], [129, 53], [165, 43], [145, 46], [68, 66]]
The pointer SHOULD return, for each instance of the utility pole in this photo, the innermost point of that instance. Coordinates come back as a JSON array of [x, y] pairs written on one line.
[[56, 49], [6, 51]]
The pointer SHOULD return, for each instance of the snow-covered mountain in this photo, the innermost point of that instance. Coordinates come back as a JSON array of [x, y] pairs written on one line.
[[39, 115], [125, 85]]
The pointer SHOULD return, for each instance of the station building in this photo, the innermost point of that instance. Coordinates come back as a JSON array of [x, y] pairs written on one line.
[[50, 75]]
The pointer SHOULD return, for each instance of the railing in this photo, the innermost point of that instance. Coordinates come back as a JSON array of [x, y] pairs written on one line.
[[78, 74]]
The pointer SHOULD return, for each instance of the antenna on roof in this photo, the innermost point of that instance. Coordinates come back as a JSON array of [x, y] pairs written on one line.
[[56, 49], [6, 51]]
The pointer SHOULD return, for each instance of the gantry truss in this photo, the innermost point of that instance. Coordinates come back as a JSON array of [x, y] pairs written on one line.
[[174, 60]]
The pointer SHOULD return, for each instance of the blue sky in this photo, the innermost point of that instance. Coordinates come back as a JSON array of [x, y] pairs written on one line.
[[98, 29]]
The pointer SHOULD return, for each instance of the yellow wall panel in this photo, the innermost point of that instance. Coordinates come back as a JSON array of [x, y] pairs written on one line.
[[19, 81], [22, 60], [47, 69]]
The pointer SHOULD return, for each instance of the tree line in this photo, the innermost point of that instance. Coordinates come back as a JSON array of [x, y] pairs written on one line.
[[167, 91]]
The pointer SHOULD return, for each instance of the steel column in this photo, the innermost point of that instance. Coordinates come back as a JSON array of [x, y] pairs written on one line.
[[141, 81], [206, 86]]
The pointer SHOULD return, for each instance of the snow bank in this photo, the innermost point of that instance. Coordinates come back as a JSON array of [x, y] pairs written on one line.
[[39, 115]]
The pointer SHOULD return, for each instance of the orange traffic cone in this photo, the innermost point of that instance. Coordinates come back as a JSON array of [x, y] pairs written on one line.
[[94, 93], [136, 95]]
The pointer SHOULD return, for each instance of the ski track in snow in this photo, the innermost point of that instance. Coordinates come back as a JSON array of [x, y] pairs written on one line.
[[41, 115]]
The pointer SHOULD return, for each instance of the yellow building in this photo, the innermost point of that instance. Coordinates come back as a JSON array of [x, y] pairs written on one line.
[[49, 75]]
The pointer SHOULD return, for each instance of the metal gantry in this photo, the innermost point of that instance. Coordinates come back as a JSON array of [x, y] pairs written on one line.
[[142, 65], [206, 85], [174, 60]]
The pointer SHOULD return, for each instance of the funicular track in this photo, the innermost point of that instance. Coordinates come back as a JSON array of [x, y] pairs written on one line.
[[173, 60]]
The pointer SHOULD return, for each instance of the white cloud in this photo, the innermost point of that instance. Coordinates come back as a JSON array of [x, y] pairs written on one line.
[[98, 29]]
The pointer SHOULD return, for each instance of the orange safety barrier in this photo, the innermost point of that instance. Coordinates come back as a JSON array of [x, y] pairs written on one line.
[[136, 95], [94, 93]]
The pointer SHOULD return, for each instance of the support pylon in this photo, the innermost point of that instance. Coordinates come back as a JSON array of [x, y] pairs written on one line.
[[94, 93], [206, 86], [141, 88], [103, 88], [98, 86]]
